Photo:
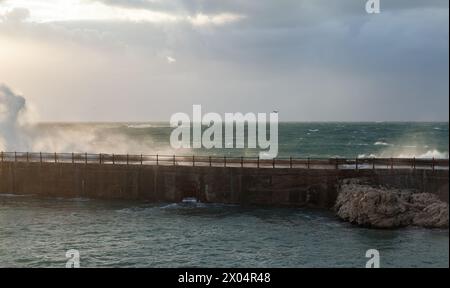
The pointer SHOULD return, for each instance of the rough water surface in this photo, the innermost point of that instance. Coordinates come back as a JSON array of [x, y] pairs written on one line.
[[37, 233]]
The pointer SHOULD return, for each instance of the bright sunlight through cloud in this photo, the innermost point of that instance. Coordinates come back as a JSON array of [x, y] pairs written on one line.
[[42, 11]]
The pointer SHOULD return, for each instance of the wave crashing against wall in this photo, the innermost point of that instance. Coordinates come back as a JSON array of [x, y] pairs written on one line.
[[19, 133], [12, 109]]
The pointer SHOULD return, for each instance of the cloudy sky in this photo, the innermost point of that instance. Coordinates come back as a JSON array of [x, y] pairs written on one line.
[[313, 60]]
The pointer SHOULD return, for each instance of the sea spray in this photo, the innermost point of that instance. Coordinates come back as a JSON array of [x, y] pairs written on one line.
[[420, 140], [11, 108], [19, 133]]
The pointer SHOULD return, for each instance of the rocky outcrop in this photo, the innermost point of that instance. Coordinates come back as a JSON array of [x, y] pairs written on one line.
[[382, 207]]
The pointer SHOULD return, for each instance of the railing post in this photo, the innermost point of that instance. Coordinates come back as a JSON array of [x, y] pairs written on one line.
[[290, 162], [210, 162], [100, 157], [392, 163], [257, 163], [73, 158], [273, 162], [174, 161], [336, 165], [373, 163], [242, 162], [414, 163], [2, 156], [28, 158], [193, 160], [224, 161], [113, 159], [157, 160], [308, 163], [142, 159], [56, 158], [15, 156], [40, 157], [128, 159], [85, 158], [356, 163], [433, 164]]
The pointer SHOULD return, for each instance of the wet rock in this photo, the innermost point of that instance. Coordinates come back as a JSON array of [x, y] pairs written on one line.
[[383, 207]]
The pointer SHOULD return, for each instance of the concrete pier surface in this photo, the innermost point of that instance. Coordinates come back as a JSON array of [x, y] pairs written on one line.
[[135, 178]]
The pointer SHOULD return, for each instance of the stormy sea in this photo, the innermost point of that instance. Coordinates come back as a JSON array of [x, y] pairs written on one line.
[[37, 232], [301, 140]]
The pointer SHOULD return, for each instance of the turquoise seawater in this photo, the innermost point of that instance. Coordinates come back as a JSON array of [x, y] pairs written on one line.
[[38, 232], [321, 140]]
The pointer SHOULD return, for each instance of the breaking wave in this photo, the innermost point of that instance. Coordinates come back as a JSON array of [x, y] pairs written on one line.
[[405, 154], [381, 143], [146, 125], [19, 133]]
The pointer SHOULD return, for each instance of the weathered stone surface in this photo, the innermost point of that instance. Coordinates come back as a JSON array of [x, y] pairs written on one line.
[[382, 207], [299, 187]]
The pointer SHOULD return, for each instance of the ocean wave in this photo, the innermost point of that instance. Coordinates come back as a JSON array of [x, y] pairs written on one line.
[[364, 156], [313, 130], [136, 210], [141, 126], [170, 206], [403, 154], [184, 206], [381, 143], [434, 154]]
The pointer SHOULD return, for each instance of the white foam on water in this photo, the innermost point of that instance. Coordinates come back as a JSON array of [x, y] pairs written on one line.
[[431, 154], [381, 143], [405, 154], [143, 126]]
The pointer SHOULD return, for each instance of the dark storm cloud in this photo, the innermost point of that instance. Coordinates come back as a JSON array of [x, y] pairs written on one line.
[[299, 31], [312, 60], [269, 11]]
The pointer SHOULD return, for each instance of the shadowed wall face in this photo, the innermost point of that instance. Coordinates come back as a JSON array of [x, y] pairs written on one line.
[[247, 186]]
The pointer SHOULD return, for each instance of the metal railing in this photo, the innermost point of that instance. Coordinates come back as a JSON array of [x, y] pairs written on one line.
[[226, 161]]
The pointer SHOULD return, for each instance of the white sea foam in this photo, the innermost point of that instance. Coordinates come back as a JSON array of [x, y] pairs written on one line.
[[12, 107], [365, 156], [141, 126], [19, 133], [381, 143], [170, 206], [411, 154], [430, 154]]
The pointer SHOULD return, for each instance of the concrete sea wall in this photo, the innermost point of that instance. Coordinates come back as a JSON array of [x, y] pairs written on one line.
[[264, 186]]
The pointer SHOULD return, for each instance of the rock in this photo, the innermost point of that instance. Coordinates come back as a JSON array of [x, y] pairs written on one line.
[[433, 216], [382, 207]]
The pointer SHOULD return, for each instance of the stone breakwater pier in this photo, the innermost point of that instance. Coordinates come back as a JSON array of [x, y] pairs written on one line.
[[236, 180]]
